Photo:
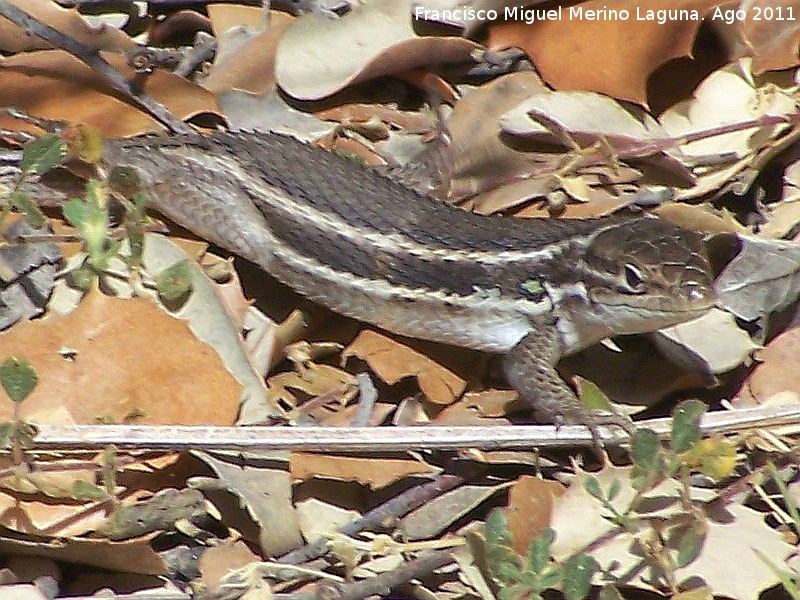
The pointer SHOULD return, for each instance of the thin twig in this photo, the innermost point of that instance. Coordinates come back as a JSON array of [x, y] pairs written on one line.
[[383, 439]]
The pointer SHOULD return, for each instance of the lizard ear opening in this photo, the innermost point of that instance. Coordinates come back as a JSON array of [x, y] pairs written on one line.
[[634, 279]]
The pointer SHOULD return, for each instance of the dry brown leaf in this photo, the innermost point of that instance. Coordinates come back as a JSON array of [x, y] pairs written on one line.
[[530, 509], [68, 22], [217, 561], [375, 472], [373, 40], [132, 556], [115, 358], [777, 377], [392, 361], [316, 381], [610, 55], [772, 31], [54, 85], [250, 67], [492, 403]]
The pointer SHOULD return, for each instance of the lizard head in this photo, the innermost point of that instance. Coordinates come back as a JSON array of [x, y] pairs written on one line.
[[649, 273]]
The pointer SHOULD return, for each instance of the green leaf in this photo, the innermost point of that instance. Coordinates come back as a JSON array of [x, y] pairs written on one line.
[[24, 204], [686, 424], [496, 530], [614, 490], [645, 448], [43, 154], [688, 540], [86, 490], [18, 378], [175, 282], [592, 397], [592, 485], [539, 551], [6, 429], [649, 461], [576, 576], [76, 212]]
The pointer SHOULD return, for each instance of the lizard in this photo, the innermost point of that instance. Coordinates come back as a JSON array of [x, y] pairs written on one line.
[[368, 247]]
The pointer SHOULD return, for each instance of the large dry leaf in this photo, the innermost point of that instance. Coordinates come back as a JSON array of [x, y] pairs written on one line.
[[609, 53], [113, 359], [713, 343], [54, 85], [68, 22], [392, 361], [371, 41]]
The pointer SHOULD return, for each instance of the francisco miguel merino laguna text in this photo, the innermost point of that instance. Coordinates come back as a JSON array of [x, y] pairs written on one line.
[[573, 13]]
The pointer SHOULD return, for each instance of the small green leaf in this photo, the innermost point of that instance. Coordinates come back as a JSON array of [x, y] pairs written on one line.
[[86, 490], [649, 460], [645, 448], [614, 489], [82, 278], [592, 485], [24, 204], [175, 282], [539, 551], [576, 576], [18, 378], [6, 429], [495, 530], [505, 572], [688, 539], [686, 424], [43, 154], [592, 397], [76, 212]]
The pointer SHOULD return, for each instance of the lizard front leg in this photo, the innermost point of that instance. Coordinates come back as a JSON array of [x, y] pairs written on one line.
[[530, 369]]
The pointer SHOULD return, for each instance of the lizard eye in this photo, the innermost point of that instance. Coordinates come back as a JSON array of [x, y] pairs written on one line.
[[634, 279]]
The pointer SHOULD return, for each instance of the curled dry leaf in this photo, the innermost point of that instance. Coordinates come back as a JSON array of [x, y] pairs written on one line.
[[370, 41], [392, 361], [250, 65], [68, 22], [763, 278]]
